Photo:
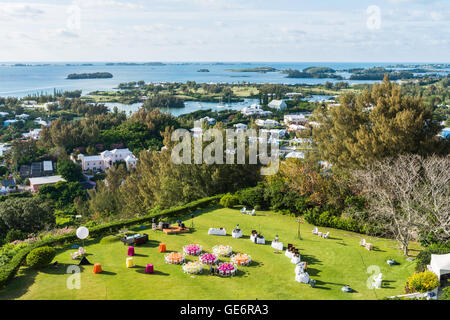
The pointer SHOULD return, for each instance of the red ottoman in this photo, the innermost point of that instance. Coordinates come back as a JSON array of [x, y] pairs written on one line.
[[130, 251], [149, 269]]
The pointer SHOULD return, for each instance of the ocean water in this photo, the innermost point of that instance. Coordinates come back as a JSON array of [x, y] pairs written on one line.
[[19, 81]]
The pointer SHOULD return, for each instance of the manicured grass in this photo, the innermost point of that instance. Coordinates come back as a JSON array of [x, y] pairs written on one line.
[[333, 262]]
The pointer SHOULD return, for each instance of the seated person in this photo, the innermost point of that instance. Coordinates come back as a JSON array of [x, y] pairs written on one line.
[[182, 226], [276, 238], [260, 235], [237, 228]]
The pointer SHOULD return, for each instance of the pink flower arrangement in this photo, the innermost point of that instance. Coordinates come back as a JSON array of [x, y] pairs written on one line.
[[192, 249], [208, 258], [227, 269]]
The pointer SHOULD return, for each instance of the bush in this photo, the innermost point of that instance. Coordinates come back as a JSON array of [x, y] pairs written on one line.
[[424, 257], [40, 257], [445, 294], [423, 281], [228, 201], [13, 235], [252, 197]]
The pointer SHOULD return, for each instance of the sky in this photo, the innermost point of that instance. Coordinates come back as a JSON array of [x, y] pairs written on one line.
[[225, 30]]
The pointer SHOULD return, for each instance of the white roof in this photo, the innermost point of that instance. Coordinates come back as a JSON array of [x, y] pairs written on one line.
[[295, 154], [440, 263], [46, 180], [93, 158]]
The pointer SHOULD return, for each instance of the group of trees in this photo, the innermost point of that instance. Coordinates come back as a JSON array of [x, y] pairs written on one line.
[[379, 123]]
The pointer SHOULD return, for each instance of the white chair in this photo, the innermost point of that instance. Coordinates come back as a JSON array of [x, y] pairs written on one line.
[[302, 277], [300, 268], [295, 259], [325, 235], [362, 243], [244, 210], [277, 245], [288, 254], [315, 231], [236, 233], [319, 233], [251, 213]]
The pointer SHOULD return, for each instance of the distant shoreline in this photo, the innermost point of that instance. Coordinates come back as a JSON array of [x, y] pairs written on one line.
[[95, 75]]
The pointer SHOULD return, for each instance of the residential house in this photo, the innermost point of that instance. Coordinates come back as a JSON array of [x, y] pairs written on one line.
[[294, 119], [106, 159], [269, 123], [277, 104]]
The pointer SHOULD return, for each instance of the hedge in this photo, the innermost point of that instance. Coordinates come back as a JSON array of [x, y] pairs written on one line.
[[8, 271]]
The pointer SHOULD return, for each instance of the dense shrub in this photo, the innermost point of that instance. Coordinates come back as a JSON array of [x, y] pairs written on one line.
[[445, 294], [228, 201], [40, 257], [423, 281], [252, 197], [13, 235], [327, 219], [424, 257]]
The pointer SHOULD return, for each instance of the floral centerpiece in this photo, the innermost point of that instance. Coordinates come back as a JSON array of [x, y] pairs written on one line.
[[192, 249], [221, 250], [192, 267], [174, 258], [227, 269], [208, 258], [241, 259]]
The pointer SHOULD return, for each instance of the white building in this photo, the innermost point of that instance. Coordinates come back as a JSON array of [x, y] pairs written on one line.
[[277, 104], [240, 127], [210, 121], [4, 148], [23, 116], [295, 155], [294, 119], [35, 183], [4, 114], [296, 127], [269, 123], [440, 265], [255, 110], [33, 134], [106, 159]]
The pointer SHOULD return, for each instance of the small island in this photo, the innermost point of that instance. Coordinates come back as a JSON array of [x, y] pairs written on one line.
[[257, 69], [203, 70], [95, 75]]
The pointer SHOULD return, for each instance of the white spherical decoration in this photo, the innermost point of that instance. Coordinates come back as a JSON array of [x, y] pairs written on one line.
[[82, 233]]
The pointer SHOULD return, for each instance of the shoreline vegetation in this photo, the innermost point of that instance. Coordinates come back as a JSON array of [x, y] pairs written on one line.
[[95, 75]]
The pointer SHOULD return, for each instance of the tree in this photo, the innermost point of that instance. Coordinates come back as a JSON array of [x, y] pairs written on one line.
[[26, 214], [408, 196], [69, 170], [376, 124]]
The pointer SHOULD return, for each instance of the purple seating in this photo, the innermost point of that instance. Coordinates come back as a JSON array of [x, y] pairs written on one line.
[[149, 268], [130, 251]]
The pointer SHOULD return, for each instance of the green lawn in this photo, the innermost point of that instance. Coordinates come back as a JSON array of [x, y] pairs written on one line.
[[333, 262]]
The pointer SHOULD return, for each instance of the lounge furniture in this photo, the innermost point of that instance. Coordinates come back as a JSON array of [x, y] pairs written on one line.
[[131, 239], [141, 239], [257, 239], [175, 230], [315, 231], [251, 213], [288, 254], [130, 252], [78, 254], [97, 268], [130, 262], [302, 277], [319, 234], [362, 243], [237, 233], [277, 245], [243, 210], [326, 235], [369, 246], [149, 268], [217, 232], [162, 248]]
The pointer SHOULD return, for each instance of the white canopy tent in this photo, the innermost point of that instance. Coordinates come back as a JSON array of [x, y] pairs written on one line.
[[440, 264]]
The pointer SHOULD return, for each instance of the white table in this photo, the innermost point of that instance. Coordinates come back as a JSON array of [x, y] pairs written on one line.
[[277, 245], [236, 234], [295, 260], [217, 232]]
